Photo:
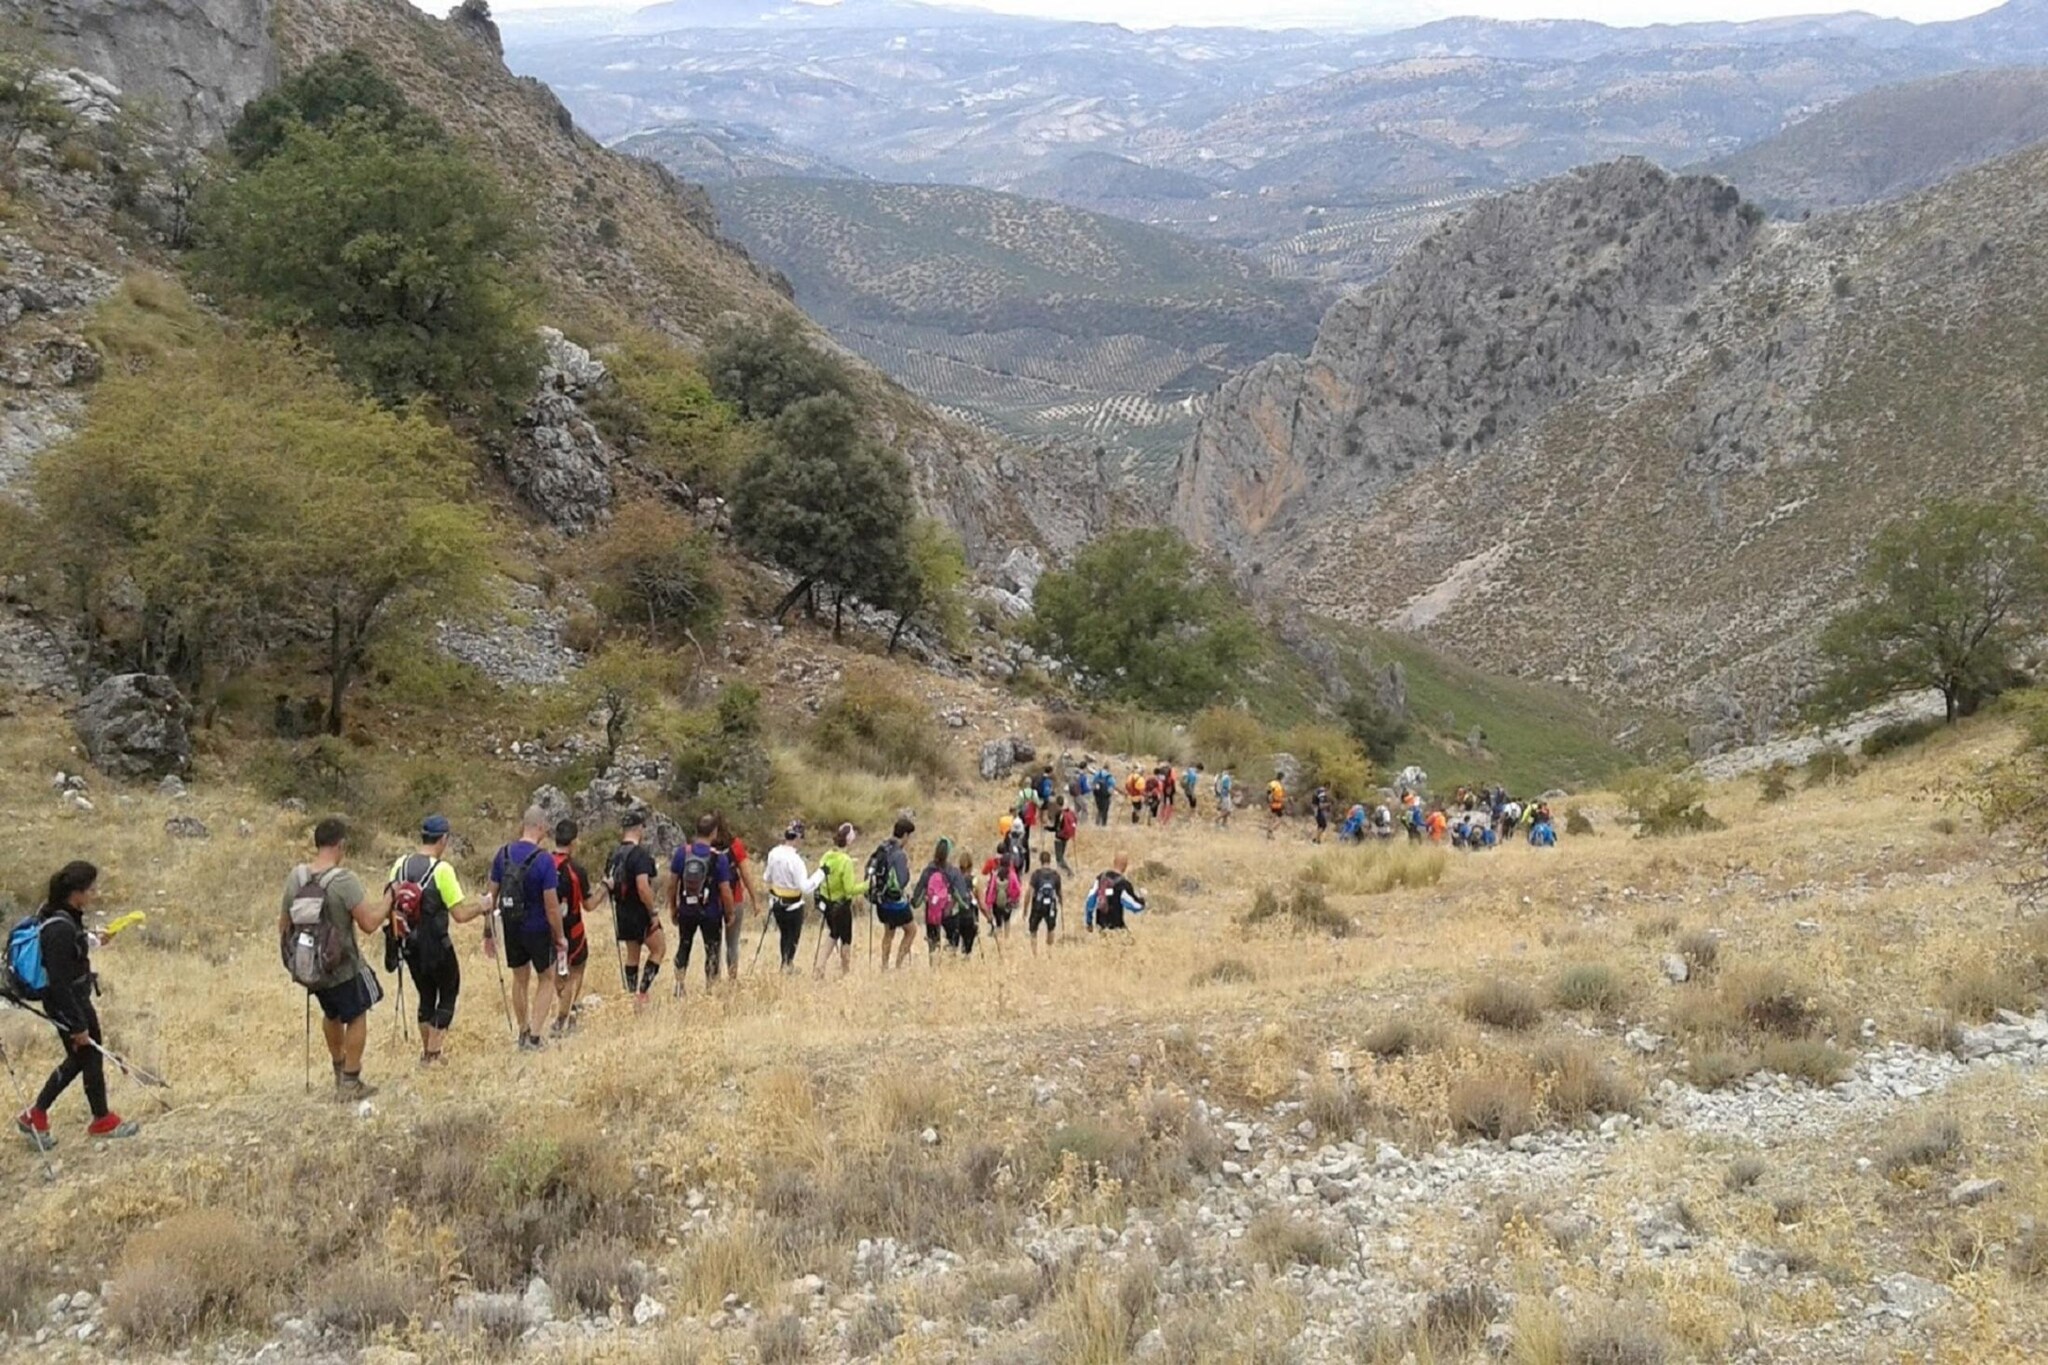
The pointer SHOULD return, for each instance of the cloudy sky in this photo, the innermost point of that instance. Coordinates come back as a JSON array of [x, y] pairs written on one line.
[[1389, 13]]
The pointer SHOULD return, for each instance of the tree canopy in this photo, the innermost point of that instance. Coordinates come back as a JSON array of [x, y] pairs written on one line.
[[335, 87], [1140, 619], [236, 500], [764, 369], [1951, 600], [391, 251]]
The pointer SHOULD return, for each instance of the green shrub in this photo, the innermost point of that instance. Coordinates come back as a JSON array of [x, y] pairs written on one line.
[[661, 410], [1933, 1143], [1589, 986], [1805, 1059], [1830, 764], [1774, 783], [1662, 804], [1501, 1003], [1898, 735], [1575, 822], [653, 570], [1225, 737], [1331, 758], [1306, 909], [883, 731]]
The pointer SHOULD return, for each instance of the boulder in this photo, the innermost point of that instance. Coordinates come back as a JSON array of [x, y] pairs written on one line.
[[556, 459], [554, 804], [187, 827], [997, 760], [1022, 750], [136, 725], [1020, 571]]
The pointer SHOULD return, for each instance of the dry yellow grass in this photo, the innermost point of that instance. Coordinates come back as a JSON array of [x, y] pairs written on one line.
[[743, 1137]]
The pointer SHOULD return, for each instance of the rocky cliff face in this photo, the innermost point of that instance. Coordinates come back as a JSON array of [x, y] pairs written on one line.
[[196, 62], [1613, 432]]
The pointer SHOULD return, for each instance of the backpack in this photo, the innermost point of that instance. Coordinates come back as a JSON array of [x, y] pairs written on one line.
[[1069, 823], [24, 976], [693, 890], [512, 893], [1002, 886], [1104, 783], [410, 911], [883, 886], [1045, 898], [615, 878], [313, 948], [938, 897]]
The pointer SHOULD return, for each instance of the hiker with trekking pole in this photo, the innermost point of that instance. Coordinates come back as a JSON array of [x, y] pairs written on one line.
[[790, 885], [835, 897], [526, 889], [426, 898], [49, 963], [325, 907], [630, 873]]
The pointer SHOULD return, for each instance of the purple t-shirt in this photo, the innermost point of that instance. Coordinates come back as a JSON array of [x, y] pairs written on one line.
[[541, 878], [721, 872]]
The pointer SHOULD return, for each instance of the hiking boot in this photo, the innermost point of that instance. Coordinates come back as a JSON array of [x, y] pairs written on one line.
[[34, 1125], [530, 1043], [562, 1028], [353, 1088], [112, 1126]]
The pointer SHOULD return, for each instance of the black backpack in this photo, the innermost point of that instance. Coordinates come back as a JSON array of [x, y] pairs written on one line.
[[1045, 895], [884, 886], [694, 885], [512, 894]]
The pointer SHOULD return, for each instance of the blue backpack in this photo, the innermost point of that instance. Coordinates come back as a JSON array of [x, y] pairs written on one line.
[[1104, 783], [25, 977]]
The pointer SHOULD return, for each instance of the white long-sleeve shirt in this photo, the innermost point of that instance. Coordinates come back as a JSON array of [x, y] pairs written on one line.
[[786, 876]]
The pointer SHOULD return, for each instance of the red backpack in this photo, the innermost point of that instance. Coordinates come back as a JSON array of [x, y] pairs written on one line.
[[1068, 823]]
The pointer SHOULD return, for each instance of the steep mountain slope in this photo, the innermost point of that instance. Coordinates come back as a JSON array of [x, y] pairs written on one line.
[[1892, 140], [705, 152], [1043, 319], [1611, 430]]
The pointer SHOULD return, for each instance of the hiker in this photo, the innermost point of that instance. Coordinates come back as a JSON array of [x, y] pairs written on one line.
[[1353, 829], [962, 929], [576, 889], [630, 873], [426, 898], [1224, 799], [1276, 803], [889, 889], [67, 988], [1115, 896], [1044, 788], [1001, 889], [1319, 804], [1134, 788], [526, 888], [1191, 783], [700, 899], [1078, 787], [1436, 823], [790, 884], [742, 883], [324, 908], [1046, 893], [1103, 785], [1066, 825], [835, 897], [1169, 790], [1382, 821], [1542, 834], [1027, 824], [933, 894]]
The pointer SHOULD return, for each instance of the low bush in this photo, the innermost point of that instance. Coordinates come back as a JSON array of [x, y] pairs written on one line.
[[1335, 1108], [1375, 871], [1701, 951], [202, 1270], [361, 1297], [1829, 765], [1613, 1339], [779, 1339], [1771, 1002], [1577, 1085], [1805, 1059], [1774, 784], [1589, 986], [1502, 1004], [1576, 823], [1719, 1068], [1939, 1033], [738, 1258], [1743, 1173], [1400, 1037], [1982, 987], [1903, 734], [593, 1272], [1281, 1241], [1454, 1321], [1225, 737], [1933, 1143], [882, 731], [1663, 804], [1305, 909], [1497, 1105]]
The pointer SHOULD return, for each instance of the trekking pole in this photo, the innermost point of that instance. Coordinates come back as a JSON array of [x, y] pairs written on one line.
[[127, 1068], [41, 1143], [517, 1026], [309, 1042], [761, 942]]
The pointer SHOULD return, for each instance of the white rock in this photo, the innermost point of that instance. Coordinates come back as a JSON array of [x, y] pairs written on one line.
[[539, 1301], [1973, 1192], [1677, 969], [929, 1137], [647, 1311]]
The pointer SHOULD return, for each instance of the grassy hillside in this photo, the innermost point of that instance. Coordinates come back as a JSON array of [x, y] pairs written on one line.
[[1891, 141]]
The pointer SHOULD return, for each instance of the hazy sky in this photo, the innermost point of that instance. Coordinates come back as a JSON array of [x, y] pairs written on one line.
[[1384, 13]]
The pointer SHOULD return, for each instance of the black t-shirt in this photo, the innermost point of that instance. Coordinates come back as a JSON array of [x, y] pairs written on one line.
[[1045, 876], [628, 864]]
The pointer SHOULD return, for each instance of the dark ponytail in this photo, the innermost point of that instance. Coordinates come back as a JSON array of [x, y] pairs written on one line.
[[71, 879]]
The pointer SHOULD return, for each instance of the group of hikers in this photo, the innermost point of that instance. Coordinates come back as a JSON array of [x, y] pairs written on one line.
[[538, 898]]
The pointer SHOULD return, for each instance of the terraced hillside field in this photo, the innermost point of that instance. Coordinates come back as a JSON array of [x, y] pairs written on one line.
[[1041, 320]]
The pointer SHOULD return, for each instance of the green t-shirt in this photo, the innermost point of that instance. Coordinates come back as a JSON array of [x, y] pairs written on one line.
[[341, 893]]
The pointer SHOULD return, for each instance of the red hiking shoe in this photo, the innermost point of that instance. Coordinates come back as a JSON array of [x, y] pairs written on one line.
[[112, 1126], [34, 1125]]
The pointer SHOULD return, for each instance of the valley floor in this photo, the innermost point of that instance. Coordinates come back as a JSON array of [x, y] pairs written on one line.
[[1198, 1142]]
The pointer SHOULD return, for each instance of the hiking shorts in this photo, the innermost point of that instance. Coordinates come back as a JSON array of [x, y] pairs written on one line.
[[838, 917], [893, 916], [533, 948], [1047, 915], [632, 923], [352, 999]]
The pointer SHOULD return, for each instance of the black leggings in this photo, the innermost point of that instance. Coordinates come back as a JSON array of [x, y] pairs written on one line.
[[79, 1061], [687, 930], [437, 976], [789, 926]]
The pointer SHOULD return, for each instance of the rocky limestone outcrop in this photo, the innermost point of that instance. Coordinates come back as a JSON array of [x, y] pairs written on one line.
[[196, 61], [136, 725], [556, 460], [1496, 320]]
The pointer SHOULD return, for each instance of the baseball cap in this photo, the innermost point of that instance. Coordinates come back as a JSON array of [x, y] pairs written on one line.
[[434, 827], [633, 819]]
